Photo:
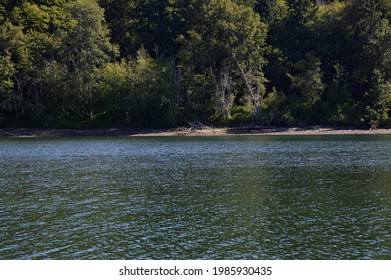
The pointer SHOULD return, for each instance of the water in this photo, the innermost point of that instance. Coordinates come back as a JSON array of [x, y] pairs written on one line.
[[196, 198]]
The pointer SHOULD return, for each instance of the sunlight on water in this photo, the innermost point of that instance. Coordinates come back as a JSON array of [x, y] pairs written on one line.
[[196, 198]]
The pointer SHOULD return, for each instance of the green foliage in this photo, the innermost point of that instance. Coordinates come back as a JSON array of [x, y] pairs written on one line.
[[307, 80], [153, 24], [56, 52], [273, 107], [7, 70], [86, 44], [83, 51], [228, 62], [113, 91], [369, 30], [152, 100], [379, 101], [222, 32], [338, 106], [272, 11], [31, 17], [140, 92], [2, 10], [15, 55]]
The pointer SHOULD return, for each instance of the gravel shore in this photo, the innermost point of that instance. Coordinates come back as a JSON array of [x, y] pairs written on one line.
[[131, 132]]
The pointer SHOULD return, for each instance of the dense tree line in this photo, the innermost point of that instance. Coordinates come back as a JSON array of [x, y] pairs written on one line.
[[84, 63]]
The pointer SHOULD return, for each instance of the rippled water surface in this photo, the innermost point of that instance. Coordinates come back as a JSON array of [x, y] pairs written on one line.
[[196, 198]]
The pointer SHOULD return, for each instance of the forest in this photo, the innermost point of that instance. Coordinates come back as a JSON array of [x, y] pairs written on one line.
[[165, 63]]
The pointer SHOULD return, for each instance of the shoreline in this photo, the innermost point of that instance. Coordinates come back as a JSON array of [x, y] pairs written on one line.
[[238, 131]]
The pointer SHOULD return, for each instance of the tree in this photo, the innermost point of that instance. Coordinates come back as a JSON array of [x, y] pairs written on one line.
[[328, 61], [14, 54], [297, 36], [368, 56], [86, 43], [369, 32], [271, 11], [138, 92], [247, 3], [152, 24], [294, 69], [308, 80], [2, 10], [7, 70], [378, 99], [55, 49], [84, 49], [219, 31]]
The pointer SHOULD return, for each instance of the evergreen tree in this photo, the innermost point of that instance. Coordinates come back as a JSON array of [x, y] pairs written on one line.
[[152, 24], [223, 39], [369, 30], [368, 57]]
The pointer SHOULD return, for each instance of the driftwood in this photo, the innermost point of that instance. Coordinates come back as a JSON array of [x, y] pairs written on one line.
[[199, 126]]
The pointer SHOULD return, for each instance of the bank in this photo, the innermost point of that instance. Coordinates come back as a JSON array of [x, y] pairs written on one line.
[[189, 131]]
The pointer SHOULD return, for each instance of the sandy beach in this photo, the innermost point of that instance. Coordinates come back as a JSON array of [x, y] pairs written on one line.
[[208, 131]]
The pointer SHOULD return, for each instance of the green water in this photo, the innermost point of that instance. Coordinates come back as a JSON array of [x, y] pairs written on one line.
[[196, 198]]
